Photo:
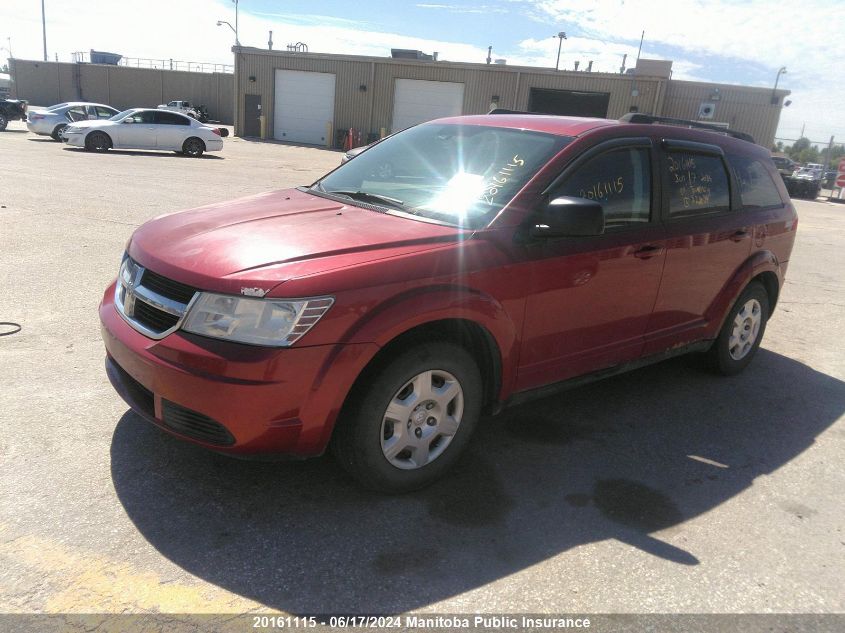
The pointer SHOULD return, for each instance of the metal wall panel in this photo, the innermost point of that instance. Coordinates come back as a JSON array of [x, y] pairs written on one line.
[[47, 83]]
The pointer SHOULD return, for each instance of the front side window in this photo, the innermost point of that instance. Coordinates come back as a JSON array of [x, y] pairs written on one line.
[[146, 116], [697, 184], [458, 174], [620, 180], [756, 187]]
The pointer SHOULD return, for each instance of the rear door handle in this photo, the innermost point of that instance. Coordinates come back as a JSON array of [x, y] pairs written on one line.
[[740, 235], [649, 251]]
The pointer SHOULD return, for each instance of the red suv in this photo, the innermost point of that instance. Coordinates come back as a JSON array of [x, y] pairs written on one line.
[[455, 268]]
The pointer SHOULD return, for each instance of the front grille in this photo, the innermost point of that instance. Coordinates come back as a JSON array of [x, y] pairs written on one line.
[[152, 304], [167, 287], [195, 425], [152, 318]]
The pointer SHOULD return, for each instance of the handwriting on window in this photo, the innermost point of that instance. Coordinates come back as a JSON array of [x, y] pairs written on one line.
[[690, 182], [501, 178], [603, 190]]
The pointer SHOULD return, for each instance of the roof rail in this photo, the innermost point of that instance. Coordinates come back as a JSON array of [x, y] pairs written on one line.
[[506, 111], [636, 117]]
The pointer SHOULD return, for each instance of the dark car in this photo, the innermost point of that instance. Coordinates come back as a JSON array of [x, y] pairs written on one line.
[[11, 110], [785, 166], [456, 268]]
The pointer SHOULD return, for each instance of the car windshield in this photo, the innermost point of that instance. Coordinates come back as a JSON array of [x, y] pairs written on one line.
[[458, 174], [122, 115]]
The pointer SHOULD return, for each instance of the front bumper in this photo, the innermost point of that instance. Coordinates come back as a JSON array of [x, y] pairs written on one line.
[[268, 400], [77, 139]]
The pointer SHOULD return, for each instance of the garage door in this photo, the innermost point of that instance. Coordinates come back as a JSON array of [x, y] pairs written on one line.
[[304, 106], [416, 101]]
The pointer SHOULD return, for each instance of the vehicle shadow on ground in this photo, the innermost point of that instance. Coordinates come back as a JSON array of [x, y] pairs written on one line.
[[151, 153], [619, 459]]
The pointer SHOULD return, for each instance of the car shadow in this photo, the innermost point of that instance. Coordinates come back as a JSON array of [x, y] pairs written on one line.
[[150, 153], [46, 139], [628, 458]]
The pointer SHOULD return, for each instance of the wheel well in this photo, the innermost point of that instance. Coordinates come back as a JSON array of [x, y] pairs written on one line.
[[474, 338], [770, 282]]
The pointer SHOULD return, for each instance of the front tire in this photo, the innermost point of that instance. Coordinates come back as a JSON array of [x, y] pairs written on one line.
[[406, 423], [3, 122], [742, 332], [193, 147], [98, 142]]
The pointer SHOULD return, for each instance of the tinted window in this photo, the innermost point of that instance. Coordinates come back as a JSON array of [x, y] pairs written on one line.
[[170, 118], [756, 187], [697, 183], [620, 180]]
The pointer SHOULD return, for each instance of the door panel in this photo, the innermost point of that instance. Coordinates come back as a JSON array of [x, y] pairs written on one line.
[[592, 297], [140, 134], [707, 242], [252, 112]]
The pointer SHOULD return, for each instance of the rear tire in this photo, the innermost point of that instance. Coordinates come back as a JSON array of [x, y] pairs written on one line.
[[193, 147], [3, 122], [741, 333], [98, 142], [57, 133], [407, 422]]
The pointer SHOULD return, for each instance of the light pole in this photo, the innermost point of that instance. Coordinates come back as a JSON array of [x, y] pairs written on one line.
[[44, 29], [222, 22], [561, 36], [237, 39], [782, 71]]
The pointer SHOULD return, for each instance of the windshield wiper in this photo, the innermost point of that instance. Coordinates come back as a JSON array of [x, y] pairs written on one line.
[[363, 196]]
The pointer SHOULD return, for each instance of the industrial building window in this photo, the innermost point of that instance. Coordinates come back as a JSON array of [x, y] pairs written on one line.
[[756, 187], [620, 180], [697, 183]]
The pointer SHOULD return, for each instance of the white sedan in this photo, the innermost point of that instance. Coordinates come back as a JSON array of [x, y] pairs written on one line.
[[143, 128]]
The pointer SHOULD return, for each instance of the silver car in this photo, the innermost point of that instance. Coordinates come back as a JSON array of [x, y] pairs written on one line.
[[51, 121]]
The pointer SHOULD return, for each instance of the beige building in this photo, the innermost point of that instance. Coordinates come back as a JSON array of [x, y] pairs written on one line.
[[315, 98]]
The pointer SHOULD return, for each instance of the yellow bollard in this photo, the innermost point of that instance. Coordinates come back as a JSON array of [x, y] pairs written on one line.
[[263, 124], [329, 135]]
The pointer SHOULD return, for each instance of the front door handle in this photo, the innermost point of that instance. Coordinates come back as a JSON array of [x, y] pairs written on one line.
[[740, 235], [648, 251]]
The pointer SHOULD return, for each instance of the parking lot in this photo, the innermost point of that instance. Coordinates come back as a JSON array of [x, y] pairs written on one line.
[[664, 490]]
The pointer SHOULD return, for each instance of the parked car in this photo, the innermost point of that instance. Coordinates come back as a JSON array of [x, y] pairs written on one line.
[[11, 110], [184, 107], [806, 182], [141, 128], [501, 258], [785, 166], [53, 120]]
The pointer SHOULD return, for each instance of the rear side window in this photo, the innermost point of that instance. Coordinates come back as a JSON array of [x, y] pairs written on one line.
[[171, 118], [620, 180], [697, 183], [756, 187]]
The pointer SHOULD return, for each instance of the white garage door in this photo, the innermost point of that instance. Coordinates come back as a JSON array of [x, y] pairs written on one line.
[[304, 106], [416, 101]]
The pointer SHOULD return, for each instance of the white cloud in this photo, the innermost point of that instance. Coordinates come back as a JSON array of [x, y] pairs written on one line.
[[798, 34]]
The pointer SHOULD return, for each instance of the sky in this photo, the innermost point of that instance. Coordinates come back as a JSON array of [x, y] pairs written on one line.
[[722, 41]]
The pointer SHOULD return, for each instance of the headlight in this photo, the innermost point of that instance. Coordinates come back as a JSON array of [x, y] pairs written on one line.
[[272, 322]]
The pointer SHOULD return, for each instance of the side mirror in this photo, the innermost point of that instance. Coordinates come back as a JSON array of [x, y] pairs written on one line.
[[569, 216]]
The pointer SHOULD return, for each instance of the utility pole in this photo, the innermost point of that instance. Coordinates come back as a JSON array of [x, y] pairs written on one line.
[[624, 59], [561, 36], [44, 29], [237, 39]]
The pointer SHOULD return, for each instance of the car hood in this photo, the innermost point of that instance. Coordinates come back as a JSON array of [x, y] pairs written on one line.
[[92, 123], [264, 240]]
